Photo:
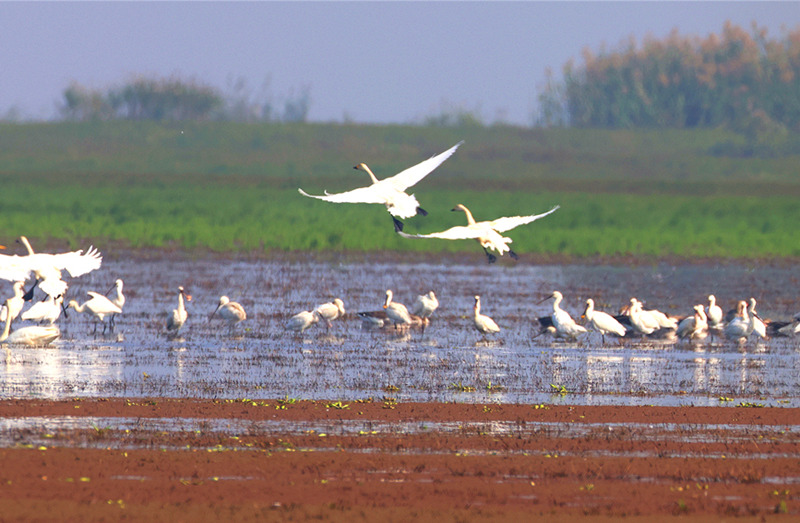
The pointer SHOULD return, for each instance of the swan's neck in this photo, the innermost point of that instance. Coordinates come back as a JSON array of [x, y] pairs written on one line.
[[26, 243], [470, 219], [388, 300], [369, 172], [477, 308]]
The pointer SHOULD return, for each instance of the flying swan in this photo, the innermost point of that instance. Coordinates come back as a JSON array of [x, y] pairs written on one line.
[[391, 191], [487, 233], [47, 267]]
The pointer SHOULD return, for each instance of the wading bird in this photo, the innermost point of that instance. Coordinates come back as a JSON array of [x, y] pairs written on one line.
[[602, 322], [391, 191], [330, 311], [13, 305], [118, 300], [758, 326], [177, 318], [46, 311], [694, 327], [397, 313], [740, 326], [714, 313], [230, 311], [487, 233], [99, 307], [34, 335], [379, 319], [563, 323], [425, 305], [302, 320], [483, 323]]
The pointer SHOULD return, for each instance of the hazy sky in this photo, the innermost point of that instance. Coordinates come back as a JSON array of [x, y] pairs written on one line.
[[364, 61]]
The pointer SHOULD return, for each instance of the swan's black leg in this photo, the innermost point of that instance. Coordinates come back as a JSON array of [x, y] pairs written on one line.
[[491, 257], [398, 225], [513, 254], [422, 211]]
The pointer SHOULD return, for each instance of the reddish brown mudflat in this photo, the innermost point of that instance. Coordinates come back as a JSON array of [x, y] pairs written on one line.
[[451, 462]]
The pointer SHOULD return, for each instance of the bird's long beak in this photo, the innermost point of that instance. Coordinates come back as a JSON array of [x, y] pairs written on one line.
[[213, 313], [544, 300], [64, 310], [28, 296]]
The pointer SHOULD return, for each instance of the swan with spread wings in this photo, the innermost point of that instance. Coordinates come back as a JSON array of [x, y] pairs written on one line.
[[487, 233], [391, 191]]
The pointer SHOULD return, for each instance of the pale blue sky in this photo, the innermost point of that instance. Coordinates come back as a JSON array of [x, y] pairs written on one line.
[[372, 62]]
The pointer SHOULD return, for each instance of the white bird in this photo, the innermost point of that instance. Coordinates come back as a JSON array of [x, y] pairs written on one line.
[[740, 326], [563, 323], [425, 305], [230, 311], [178, 316], [483, 323], [118, 300], [379, 319], [714, 313], [694, 327], [302, 320], [46, 311], [13, 306], [487, 233], [397, 313], [46, 268], [642, 321], [602, 322], [391, 191], [758, 326], [34, 335], [330, 311], [98, 306]]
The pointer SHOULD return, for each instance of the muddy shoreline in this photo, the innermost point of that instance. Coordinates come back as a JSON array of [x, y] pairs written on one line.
[[641, 463]]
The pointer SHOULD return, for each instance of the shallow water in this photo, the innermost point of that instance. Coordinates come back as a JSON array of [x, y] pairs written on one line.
[[449, 362]]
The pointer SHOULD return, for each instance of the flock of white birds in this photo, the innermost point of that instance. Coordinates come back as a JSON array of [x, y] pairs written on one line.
[[46, 272]]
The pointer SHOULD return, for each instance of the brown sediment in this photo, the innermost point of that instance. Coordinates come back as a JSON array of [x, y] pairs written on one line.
[[545, 461]]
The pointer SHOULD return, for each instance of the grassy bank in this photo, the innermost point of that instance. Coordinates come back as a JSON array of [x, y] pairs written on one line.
[[234, 187]]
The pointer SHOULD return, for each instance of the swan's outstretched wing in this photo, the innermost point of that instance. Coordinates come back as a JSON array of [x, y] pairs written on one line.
[[460, 232], [508, 223], [405, 179], [360, 195], [14, 268], [77, 263]]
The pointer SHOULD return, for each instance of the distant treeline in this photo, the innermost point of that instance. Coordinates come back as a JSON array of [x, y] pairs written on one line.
[[175, 99], [739, 79]]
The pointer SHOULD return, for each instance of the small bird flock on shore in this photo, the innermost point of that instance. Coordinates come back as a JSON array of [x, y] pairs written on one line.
[[631, 320]]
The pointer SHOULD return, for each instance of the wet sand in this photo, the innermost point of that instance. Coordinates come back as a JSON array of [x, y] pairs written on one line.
[[460, 462]]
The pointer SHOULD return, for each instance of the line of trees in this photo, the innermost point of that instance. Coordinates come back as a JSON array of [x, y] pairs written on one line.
[[175, 99], [741, 79]]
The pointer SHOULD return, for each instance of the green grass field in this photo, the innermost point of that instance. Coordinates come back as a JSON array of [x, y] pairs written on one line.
[[234, 187]]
